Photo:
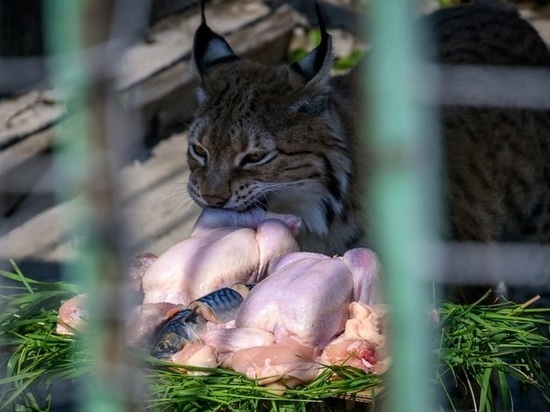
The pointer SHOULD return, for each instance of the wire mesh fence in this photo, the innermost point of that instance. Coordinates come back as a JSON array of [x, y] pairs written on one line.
[[76, 200]]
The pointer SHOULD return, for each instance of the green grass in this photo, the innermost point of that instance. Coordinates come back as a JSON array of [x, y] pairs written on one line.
[[340, 64], [476, 346], [38, 357], [483, 345]]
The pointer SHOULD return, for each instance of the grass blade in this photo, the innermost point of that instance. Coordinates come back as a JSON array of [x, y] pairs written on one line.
[[476, 341]]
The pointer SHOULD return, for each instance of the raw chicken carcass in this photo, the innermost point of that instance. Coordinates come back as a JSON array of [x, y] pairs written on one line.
[[196, 354], [306, 297], [224, 248], [285, 361], [72, 315], [138, 267], [304, 303], [363, 343]]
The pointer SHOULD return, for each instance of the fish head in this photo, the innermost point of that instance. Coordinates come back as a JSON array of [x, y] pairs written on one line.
[[168, 343]]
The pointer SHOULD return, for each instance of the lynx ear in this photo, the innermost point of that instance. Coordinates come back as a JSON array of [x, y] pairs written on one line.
[[209, 48], [318, 61]]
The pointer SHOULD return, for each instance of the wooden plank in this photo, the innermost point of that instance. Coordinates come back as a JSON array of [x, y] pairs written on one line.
[[164, 8], [261, 42], [144, 67], [543, 27], [172, 40], [168, 97], [155, 194], [152, 71], [27, 114], [21, 166], [154, 201]]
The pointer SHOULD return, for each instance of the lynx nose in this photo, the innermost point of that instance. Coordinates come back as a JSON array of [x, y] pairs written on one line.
[[214, 201]]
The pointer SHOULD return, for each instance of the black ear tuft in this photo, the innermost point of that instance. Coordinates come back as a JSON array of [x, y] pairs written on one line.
[[209, 48], [319, 59], [315, 104]]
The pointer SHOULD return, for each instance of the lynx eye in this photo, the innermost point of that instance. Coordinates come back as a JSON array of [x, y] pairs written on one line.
[[198, 152], [256, 159]]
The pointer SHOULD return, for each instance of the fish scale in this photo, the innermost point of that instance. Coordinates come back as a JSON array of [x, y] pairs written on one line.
[[187, 325], [219, 306]]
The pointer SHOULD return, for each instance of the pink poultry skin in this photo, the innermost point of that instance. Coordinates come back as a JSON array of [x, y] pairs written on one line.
[[304, 303], [300, 314], [306, 296], [224, 248]]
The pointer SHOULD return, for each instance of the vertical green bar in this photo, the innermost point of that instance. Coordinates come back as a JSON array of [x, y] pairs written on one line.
[[400, 194], [74, 162]]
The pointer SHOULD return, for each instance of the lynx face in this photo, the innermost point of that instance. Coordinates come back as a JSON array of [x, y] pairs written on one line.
[[268, 137], [259, 141], [286, 138]]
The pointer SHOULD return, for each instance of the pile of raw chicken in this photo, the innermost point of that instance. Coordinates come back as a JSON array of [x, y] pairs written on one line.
[[238, 294]]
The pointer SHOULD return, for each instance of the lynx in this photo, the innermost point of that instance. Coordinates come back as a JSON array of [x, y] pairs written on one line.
[[287, 138]]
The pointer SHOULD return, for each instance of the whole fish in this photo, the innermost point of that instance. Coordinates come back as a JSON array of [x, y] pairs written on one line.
[[185, 326], [188, 325], [219, 306]]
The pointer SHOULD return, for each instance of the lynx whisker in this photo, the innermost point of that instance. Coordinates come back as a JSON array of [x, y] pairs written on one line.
[[276, 187], [174, 190], [261, 204], [186, 123]]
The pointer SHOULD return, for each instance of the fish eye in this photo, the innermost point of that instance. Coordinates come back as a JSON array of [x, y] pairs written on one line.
[[163, 346]]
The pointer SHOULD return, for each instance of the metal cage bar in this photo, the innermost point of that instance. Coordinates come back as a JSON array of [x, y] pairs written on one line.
[[400, 195], [85, 39]]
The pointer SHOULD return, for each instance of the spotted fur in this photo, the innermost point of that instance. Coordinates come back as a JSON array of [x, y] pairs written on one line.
[[285, 138], [497, 159], [281, 138]]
